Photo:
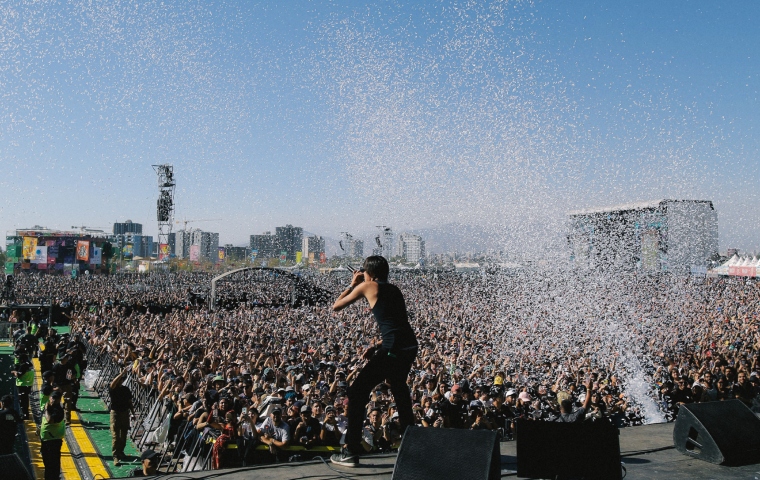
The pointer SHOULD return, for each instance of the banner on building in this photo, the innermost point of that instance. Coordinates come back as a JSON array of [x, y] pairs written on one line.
[[83, 250], [52, 253], [163, 251], [29, 245], [254, 253], [322, 257], [311, 258], [40, 255], [97, 256], [127, 251], [283, 256], [9, 268], [221, 254], [195, 253], [299, 257]]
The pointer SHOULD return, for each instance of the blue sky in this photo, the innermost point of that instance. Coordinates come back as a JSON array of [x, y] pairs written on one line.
[[339, 116]]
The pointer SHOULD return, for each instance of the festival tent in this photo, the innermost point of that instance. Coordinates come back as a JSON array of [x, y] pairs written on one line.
[[740, 266]]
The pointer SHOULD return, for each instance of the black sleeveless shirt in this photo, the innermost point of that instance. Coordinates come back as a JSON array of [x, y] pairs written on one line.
[[390, 315]]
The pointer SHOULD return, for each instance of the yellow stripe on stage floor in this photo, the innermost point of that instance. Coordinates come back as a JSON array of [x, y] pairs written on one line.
[[94, 461]]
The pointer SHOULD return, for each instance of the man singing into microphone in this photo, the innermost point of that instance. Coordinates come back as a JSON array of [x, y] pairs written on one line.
[[389, 360]]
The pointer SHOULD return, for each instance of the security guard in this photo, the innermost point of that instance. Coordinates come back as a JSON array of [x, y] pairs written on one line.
[[24, 373], [52, 431]]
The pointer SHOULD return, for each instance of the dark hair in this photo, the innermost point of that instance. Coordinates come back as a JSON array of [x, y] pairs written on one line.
[[377, 267]]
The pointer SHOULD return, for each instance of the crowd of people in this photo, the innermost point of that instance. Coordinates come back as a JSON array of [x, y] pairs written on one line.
[[493, 348]]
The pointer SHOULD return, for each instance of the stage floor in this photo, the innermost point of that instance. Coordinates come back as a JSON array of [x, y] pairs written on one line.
[[647, 453]]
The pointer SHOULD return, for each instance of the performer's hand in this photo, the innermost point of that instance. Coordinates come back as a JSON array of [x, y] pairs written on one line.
[[369, 352], [357, 279]]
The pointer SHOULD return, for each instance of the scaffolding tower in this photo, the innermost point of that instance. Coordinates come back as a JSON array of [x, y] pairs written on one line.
[[165, 207]]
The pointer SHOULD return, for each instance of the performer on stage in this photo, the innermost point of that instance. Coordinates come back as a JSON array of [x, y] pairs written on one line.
[[389, 360]]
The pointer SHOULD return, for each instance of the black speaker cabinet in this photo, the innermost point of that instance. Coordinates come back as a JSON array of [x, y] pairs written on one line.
[[435, 453], [13, 467], [588, 450], [726, 433]]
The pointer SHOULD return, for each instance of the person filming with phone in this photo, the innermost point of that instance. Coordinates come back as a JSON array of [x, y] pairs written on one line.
[[390, 360]]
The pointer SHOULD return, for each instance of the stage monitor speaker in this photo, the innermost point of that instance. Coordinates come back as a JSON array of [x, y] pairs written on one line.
[[588, 450], [13, 467], [433, 453], [726, 433]]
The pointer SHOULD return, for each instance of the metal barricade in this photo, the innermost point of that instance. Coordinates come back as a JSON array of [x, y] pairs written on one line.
[[7, 329]]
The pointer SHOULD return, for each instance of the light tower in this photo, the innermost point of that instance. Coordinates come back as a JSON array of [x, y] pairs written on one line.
[[165, 207]]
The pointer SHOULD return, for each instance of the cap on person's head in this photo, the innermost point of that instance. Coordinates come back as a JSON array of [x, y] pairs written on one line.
[[306, 387], [329, 408], [392, 405], [281, 390], [306, 409], [456, 388], [342, 385], [524, 396], [277, 410], [56, 394], [498, 380], [289, 389], [476, 404], [148, 455], [48, 374]]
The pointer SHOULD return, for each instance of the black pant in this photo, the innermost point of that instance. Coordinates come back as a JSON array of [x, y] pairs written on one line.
[[23, 399], [382, 366], [51, 457]]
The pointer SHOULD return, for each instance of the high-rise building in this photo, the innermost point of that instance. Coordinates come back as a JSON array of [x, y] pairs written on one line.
[[120, 228], [172, 242], [265, 245], [289, 240], [410, 247], [142, 246], [207, 242], [313, 245]]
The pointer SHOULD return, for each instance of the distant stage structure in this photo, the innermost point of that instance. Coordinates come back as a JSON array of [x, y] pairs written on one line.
[[677, 236]]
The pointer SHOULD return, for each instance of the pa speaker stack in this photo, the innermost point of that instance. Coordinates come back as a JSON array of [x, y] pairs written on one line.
[[726, 433], [588, 450], [433, 453]]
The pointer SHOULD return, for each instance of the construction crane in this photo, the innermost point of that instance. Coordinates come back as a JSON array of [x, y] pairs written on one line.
[[185, 222]]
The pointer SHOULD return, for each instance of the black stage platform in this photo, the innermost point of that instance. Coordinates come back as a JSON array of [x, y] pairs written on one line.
[[647, 453]]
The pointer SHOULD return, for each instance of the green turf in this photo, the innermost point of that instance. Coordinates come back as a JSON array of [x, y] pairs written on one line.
[[96, 420]]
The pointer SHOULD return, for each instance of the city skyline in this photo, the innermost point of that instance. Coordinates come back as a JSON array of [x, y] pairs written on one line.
[[503, 116]]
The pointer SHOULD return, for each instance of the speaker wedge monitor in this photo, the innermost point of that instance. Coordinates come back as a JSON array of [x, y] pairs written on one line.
[[725, 433], [436, 453], [588, 450]]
